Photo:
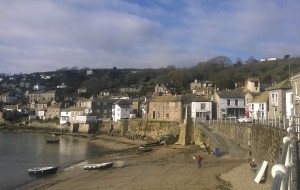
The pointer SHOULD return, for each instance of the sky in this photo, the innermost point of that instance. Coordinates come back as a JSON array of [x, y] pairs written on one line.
[[46, 35]]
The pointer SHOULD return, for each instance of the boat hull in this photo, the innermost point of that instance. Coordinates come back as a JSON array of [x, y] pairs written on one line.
[[43, 171], [52, 141], [98, 166]]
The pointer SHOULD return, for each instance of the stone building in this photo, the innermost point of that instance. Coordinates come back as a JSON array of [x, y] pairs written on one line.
[[295, 83], [168, 108], [277, 99]]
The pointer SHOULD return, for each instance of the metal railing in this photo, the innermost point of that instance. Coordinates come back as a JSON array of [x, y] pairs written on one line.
[[282, 172]]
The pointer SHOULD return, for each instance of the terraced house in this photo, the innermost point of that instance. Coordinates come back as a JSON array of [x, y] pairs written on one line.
[[277, 99], [168, 108]]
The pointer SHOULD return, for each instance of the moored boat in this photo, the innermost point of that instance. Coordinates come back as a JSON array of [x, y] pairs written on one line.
[[52, 141], [105, 165], [39, 171]]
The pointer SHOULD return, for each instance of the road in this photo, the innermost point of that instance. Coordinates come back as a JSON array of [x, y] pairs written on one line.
[[225, 145]]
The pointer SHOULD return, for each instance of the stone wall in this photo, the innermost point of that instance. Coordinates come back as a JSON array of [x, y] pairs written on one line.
[[263, 143], [140, 128]]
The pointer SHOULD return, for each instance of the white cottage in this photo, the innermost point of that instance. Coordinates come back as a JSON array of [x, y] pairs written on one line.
[[201, 108], [121, 110], [258, 107]]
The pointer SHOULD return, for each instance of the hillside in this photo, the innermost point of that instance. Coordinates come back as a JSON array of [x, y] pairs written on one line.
[[225, 76]]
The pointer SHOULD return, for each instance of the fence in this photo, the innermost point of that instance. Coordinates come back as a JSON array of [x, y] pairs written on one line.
[[282, 172], [270, 122]]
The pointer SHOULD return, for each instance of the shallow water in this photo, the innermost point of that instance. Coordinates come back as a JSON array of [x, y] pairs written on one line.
[[22, 150]]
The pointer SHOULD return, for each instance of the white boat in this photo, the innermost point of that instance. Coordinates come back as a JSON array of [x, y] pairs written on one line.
[[43, 170], [98, 166]]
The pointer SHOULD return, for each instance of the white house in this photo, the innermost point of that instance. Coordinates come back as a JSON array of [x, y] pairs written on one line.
[[70, 114], [121, 110], [230, 103], [289, 105], [64, 117], [258, 107], [201, 108]]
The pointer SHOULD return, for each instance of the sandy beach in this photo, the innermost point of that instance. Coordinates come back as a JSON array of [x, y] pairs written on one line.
[[163, 168]]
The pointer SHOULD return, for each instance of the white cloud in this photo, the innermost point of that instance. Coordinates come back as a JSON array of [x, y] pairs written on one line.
[[47, 35]]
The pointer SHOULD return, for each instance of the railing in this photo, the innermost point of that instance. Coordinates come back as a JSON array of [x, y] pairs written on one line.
[[270, 122], [281, 172]]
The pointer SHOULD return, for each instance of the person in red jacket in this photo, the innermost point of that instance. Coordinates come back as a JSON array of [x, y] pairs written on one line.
[[199, 160]]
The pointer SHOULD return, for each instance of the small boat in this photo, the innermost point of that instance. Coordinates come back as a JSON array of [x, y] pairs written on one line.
[[52, 141], [39, 171], [105, 165]]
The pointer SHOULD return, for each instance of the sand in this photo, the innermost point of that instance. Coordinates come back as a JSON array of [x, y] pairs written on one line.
[[163, 168]]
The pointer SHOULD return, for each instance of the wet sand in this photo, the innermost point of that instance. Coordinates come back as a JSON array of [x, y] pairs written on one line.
[[163, 168]]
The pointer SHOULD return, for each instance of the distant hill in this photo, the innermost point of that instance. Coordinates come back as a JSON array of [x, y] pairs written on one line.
[[216, 70]]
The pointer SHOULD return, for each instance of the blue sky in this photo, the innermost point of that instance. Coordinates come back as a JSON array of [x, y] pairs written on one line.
[[37, 36]]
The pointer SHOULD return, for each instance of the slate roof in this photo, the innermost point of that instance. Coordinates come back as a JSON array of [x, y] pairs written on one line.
[[231, 94], [123, 103], [201, 99], [286, 84], [264, 97], [188, 98], [166, 99]]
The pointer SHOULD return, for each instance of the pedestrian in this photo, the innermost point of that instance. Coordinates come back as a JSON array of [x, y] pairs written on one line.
[[199, 160]]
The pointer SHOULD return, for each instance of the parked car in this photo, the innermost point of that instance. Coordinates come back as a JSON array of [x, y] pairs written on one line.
[[245, 119]]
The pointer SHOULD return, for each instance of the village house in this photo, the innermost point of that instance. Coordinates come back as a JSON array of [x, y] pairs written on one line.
[[290, 104], [102, 108], [55, 110], [121, 110], [229, 103], [277, 100], [68, 115], [168, 108], [41, 108], [258, 107], [136, 107], [161, 90], [252, 90], [84, 102], [202, 88], [41, 95], [201, 109], [295, 83], [8, 98]]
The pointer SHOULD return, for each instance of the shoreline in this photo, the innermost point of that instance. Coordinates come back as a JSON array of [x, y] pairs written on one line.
[[170, 167]]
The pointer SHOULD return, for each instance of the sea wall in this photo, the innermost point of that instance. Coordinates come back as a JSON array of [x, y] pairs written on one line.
[[139, 129], [263, 143]]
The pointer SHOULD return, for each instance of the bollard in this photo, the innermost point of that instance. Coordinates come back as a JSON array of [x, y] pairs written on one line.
[[217, 152]]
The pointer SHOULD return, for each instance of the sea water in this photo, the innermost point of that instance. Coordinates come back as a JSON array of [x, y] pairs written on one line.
[[20, 151]]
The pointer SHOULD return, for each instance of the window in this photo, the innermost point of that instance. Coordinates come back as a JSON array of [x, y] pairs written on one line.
[[236, 102], [256, 84], [261, 107], [203, 105], [274, 97], [167, 115], [252, 106], [228, 102]]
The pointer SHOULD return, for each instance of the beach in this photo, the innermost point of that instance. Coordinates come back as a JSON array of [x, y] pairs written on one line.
[[171, 167]]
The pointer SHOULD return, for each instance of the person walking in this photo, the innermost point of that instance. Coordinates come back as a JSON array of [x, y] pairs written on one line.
[[199, 160]]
